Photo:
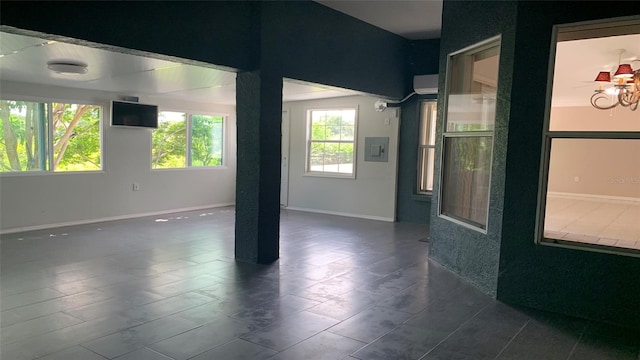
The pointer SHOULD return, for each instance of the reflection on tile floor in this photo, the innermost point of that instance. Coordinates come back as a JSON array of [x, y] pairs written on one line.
[[343, 289], [593, 221]]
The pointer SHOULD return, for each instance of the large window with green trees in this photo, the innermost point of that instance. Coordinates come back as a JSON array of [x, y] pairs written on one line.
[[331, 142], [187, 140], [467, 148], [49, 136]]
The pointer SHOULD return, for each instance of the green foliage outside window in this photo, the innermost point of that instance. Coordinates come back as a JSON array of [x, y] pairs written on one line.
[[332, 141], [170, 141], [206, 140], [25, 143]]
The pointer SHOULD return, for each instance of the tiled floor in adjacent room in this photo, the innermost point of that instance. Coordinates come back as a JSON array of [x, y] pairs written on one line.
[[168, 288]]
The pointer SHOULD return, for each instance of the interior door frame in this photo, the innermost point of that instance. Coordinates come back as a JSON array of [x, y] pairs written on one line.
[[284, 159]]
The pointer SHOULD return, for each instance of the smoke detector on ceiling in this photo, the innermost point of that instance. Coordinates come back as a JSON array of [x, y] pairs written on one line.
[[67, 67]]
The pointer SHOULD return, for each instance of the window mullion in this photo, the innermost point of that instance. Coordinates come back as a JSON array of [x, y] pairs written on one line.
[[50, 137], [188, 140]]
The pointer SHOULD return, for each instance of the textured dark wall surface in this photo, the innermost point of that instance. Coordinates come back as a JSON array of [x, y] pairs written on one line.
[[468, 252], [409, 206], [593, 285], [300, 39], [308, 41], [259, 109], [423, 60]]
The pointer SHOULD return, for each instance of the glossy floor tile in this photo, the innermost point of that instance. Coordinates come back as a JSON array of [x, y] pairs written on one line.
[[343, 288], [593, 220]]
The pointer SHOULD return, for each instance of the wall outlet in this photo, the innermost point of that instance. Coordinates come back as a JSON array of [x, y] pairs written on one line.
[[576, 179], [136, 186]]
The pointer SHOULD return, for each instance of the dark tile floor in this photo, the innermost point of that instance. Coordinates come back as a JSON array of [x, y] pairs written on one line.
[[169, 288]]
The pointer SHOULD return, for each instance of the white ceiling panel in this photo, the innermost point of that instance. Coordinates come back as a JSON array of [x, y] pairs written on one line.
[[24, 59]]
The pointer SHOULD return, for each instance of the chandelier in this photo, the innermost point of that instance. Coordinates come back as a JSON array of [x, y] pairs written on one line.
[[625, 89]]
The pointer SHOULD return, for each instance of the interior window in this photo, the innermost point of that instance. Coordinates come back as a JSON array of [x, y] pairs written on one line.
[[472, 77], [591, 187]]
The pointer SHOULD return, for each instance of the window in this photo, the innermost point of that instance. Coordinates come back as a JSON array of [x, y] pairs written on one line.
[[426, 146], [331, 142], [178, 143], [45, 136], [472, 79], [590, 187]]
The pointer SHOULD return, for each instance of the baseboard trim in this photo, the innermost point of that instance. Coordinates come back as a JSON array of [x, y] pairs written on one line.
[[110, 218], [360, 216], [591, 196]]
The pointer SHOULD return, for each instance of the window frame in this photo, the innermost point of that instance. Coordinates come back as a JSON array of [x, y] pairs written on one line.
[[545, 159], [188, 136], [446, 134], [432, 125], [309, 141], [49, 144]]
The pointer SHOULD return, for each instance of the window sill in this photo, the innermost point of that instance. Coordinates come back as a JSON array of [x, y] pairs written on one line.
[[421, 197], [330, 175]]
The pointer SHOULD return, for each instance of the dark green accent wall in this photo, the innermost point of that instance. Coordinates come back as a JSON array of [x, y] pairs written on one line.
[[506, 262], [423, 60], [299, 39], [213, 32], [259, 112], [599, 286], [411, 207], [468, 252]]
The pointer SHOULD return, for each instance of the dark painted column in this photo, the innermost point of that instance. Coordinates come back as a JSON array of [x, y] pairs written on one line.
[[259, 117]]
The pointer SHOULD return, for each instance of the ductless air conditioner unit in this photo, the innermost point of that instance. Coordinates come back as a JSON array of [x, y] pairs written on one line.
[[425, 84]]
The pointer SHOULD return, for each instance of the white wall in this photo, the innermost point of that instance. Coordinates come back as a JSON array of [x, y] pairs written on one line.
[[372, 193], [37, 200], [600, 167]]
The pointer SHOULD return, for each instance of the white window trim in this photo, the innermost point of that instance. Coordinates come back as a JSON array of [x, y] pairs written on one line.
[[327, 174], [49, 142], [188, 166]]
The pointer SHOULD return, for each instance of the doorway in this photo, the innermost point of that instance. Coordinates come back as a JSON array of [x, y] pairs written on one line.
[[284, 163]]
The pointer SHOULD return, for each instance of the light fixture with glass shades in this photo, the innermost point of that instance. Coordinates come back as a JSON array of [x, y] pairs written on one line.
[[625, 88]]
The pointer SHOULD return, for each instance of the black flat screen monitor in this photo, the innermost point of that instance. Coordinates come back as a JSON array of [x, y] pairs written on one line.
[[124, 113]]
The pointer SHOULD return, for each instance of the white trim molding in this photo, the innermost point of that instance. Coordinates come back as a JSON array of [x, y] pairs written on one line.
[[111, 218]]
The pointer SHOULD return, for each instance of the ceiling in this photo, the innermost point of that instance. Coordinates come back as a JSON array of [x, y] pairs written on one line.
[[24, 59], [579, 61], [411, 19]]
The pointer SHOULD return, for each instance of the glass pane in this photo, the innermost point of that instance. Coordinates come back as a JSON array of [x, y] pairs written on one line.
[[576, 95], [466, 179], [318, 132], [339, 127], [593, 193], [23, 135], [346, 159], [76, 137], [316, 163], [427, 130], [206, 140], [473, 79], [347, 132], [169, 148], [426, 158]]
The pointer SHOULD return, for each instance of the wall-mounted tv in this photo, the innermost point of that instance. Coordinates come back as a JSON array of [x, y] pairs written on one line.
[[124, 113]]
